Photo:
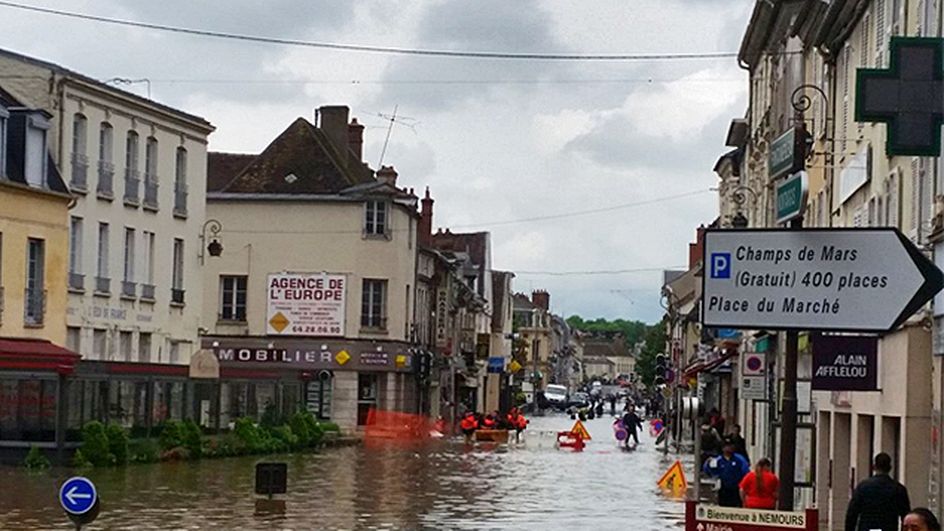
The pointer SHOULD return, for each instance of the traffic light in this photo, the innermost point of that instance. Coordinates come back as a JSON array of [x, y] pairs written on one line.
[[661, 369]]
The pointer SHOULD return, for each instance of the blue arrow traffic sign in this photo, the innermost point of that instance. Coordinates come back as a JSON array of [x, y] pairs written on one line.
[[77, 495]]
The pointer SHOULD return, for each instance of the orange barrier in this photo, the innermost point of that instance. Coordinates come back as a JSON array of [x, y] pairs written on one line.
[[569, 439]]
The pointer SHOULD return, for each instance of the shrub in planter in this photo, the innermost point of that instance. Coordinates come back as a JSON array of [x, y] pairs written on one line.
[[79, 460], [143, 451], [255, 439], [305, 427], [191, 438], [171, 435], [95, 447], [287, 439], [36, 460], [271, 417], [117, 443]]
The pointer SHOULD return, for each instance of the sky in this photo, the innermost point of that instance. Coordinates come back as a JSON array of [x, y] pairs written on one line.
[[494, 140]]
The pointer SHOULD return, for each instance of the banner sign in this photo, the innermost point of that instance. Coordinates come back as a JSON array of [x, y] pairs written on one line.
[[305, 304], [845, 363]]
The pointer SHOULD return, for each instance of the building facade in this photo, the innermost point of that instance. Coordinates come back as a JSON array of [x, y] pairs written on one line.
[[316, 279], [137, 170]]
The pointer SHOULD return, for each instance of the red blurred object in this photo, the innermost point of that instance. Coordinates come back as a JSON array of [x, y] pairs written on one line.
[[569, 439], [396, 425]]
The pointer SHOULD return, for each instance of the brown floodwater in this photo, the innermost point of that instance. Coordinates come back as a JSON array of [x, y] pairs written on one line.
[[440, 485]]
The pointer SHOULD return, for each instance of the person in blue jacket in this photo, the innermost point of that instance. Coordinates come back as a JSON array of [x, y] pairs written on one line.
[[730, 467]]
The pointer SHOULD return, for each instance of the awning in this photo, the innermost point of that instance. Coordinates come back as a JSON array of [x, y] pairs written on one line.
[[707, 365], [36, 355]]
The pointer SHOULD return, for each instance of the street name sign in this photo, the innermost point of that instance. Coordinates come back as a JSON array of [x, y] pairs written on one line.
[[845, 363], [786, 153], [908, 96], [868, 280], [792, 194], [703, 517], [78, 495]]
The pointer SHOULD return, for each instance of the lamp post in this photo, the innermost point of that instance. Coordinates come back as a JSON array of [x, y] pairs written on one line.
[[739, 195], [214, 248]]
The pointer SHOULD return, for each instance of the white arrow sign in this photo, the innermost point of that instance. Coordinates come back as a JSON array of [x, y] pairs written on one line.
[[867, 280], [72, 495]]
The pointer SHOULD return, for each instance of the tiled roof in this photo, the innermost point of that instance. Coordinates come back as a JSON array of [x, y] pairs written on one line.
[[222, 168], [301, 160], [474, 243]]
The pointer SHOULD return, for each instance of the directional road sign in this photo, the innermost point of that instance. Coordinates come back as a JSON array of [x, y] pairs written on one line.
[[867, 280], [78, 495], [702, 517]]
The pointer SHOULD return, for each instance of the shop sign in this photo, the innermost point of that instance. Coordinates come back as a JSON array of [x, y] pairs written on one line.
[[496, 365], [786, 153], [845, 363], [203, 364], [375, 358], [792, 194], [305, 304], [442, 312]]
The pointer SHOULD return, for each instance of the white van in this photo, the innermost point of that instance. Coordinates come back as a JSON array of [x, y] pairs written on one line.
[[556, 395]]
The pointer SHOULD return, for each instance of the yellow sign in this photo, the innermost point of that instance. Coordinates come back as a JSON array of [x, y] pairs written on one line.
[[673, 482], [514, 366], [279, 322], [342, 357], [579, 428], [400, 360]]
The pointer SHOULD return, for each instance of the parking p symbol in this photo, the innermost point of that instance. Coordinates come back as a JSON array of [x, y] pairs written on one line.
[[720, 265]]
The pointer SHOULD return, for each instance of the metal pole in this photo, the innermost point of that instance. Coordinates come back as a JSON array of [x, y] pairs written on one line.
[[788, 420], [534, 371], [696, 434]]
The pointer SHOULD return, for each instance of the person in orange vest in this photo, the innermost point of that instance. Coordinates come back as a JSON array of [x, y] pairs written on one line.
[[511, 418], [491, 421], [520, 425], [468, 425]]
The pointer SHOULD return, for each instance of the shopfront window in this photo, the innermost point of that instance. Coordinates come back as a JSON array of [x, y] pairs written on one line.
[[366, 396], [27, 410], [291, 399], [168, 402], [318, 396]]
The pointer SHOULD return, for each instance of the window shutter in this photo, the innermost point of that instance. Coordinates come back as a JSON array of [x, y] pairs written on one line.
[[879, 33], [846, 66], [893, 195], [927, 198], [915, 196], [857, 217]]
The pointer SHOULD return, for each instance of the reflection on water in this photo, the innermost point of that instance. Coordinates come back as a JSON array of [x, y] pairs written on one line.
[[442, 485]]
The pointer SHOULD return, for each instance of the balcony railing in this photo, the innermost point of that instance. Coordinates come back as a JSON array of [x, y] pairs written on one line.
[[76, 282], [147, 292], [180, 200], [129, 290], [34, 306], [132, 183], [103, 285], [106, 174], [79, 181], [177, 296], [150, 191]]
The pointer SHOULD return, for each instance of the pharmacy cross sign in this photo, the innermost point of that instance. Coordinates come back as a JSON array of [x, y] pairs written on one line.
[[908, 96]]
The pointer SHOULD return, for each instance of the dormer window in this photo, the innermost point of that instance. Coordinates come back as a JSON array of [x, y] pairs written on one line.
[[36, 159], [376, 219]]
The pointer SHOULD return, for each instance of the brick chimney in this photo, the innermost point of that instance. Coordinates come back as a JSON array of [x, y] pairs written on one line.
[[424, 227], [387, 174], [355, 138], [334, 124], [697, 249], [541, 299]]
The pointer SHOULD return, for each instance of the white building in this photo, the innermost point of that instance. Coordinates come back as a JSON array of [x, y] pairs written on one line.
[[138, 171]]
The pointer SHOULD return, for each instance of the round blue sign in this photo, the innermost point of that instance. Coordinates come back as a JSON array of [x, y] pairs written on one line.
[[77, 495]]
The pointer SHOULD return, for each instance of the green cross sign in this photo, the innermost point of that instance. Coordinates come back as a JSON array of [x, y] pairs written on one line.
[[908, 96]]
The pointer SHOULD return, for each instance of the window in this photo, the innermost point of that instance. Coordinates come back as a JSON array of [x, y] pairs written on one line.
[[106, 167], [79, 133], [366, 396], [128, 286], [150, 174], [318, 396], [177, 286], [4, 115], [180, 183], [147, 277], [376, 221], [102, 282], [106, 142], [74, 338], [36, 154], [880, 30], [124, 343], [131, 151], [144, 347], [232, 298], [35, 282], [373, 304], [174, 351], [75, 245], [100, 344]]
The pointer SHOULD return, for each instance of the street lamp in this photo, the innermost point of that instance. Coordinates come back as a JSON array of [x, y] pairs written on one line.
[[215, 248], [739, 195]]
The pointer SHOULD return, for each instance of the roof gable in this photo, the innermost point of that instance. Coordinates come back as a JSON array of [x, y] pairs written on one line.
[[301, 160]]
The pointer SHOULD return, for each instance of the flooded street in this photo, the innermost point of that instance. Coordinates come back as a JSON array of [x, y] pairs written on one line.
[[443, 485]]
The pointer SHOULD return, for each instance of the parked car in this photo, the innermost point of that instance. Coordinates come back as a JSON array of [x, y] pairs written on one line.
[[579, 400]]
